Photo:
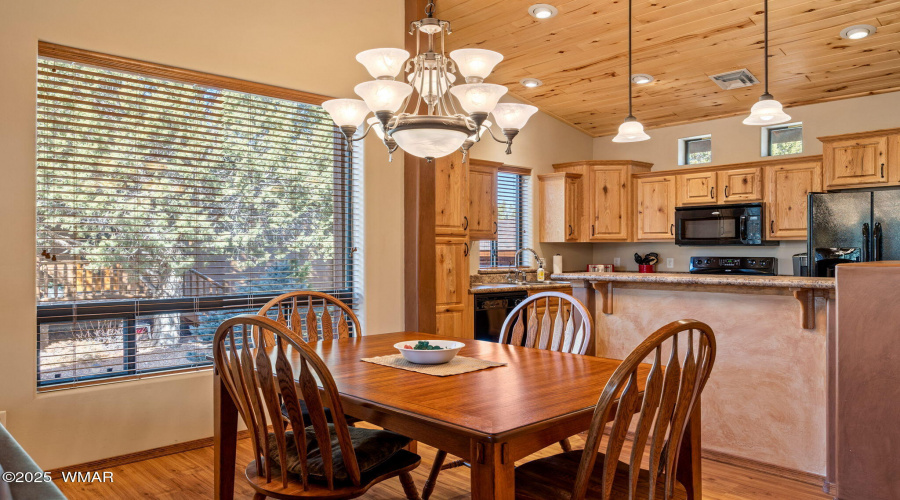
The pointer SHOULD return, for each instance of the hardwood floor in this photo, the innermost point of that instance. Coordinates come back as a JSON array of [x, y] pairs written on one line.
[[189, 475]]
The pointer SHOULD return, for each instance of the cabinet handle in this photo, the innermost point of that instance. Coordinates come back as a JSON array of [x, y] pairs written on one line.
[[495, 227], [882, 170], [726, 190], [772, 226], [571, 230], [465, 222], [592, 229], [712, 192], [672, 229], [466, 250]]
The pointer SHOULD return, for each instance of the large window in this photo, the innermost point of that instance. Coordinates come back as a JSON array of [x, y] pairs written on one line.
[[165, 205], [783, 139], [513, 222]]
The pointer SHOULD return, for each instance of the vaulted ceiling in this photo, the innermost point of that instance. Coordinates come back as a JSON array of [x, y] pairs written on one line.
[[581, 54]]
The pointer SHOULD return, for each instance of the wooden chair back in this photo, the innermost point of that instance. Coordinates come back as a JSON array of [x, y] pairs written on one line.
[[670, 393], [568, 329], [311, 315], [244, 349]]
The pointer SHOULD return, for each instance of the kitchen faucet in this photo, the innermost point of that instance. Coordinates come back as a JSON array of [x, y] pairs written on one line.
[[512, 275]]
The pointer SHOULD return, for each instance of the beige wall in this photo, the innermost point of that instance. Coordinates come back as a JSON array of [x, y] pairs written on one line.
[[543, 142], [734, 142], [305, 45]]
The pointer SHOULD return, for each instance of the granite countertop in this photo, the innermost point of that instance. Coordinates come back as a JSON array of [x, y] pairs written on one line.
[[512, 287], [702, 279]]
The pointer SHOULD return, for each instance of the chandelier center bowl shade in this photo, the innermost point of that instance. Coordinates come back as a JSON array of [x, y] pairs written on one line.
[[430, 116]]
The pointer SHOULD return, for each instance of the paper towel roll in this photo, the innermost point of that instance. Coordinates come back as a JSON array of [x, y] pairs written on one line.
[[557, 264]]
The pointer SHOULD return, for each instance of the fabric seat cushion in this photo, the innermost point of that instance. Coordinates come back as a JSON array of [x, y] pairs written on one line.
[[305, 411], [373, 447], [554, 477]]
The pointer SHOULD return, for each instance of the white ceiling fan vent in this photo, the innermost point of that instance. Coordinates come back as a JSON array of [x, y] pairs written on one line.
[[734, 79]]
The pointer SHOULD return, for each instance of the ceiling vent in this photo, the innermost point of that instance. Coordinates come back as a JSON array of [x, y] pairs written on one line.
[[734, 79]]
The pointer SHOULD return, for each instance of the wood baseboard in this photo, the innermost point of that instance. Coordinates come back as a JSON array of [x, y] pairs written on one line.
[[107, 463], [755, 465]]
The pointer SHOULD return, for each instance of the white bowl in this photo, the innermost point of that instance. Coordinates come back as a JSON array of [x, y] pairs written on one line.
[[435, 357]]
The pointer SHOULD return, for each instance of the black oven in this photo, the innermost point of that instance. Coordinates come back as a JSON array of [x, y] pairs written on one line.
[[739, 224]]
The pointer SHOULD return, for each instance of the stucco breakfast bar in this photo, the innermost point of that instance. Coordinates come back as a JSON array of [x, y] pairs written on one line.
[[765, 405]]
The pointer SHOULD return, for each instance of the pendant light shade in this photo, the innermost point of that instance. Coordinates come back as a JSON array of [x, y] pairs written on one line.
[[631, 131], [475, 64], [346, 112], [766, 112], [383, 63], [383, 95], [478, 97]]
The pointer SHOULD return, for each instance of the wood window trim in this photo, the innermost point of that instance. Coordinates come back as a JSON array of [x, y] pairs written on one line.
[[109, 61]]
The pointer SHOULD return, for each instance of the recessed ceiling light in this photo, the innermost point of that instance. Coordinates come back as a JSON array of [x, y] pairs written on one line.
[[542, 11], [531, 82], [642, 78], [857, 31]]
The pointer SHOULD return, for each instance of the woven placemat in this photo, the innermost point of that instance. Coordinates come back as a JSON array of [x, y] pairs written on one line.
[[457, 365]]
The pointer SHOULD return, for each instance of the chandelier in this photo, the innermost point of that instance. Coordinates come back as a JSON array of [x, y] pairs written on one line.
[[427, 123]]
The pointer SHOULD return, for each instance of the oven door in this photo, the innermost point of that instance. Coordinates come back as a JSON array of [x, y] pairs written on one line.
[[718, 225]]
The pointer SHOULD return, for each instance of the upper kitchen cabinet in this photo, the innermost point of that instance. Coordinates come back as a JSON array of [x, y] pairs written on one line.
[[561, 198], [451, 182], [482, 212], [740, 185], [696, 188], [655, 207], [787, 188], [608, 197], [867, 159]]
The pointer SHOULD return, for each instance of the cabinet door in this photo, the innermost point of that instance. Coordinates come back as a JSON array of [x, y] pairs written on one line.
[[656, 208], [788, 187], [452, 266], [855, 162], [573, 209], [740, 185], [698, 188], [451, 321], [608, 193], [451, 195], [482, 203]]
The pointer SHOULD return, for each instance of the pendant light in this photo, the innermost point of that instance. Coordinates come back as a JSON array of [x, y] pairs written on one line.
[[767, 111], [631, 130]]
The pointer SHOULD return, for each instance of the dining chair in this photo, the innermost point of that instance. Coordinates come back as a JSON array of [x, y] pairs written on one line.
[[254, 355], [555, 321], [311, 316], [663, 401]]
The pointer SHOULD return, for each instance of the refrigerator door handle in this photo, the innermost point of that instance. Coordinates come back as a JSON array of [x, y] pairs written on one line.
[[865, 245], [878, 241]]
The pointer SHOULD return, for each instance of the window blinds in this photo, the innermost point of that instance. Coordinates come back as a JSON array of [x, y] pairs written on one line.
[[165, 206], [513, 222]]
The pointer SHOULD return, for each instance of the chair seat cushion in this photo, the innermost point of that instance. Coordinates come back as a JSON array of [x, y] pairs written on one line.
[[373, 447], [554, 477], [305, 411]]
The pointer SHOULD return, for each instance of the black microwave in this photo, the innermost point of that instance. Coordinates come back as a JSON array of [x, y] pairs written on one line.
[[739, 224]]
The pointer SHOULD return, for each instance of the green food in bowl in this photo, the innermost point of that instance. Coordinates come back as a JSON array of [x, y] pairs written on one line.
[[423, 345]]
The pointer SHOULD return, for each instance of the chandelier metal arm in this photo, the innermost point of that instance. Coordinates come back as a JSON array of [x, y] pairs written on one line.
[[350, 130]]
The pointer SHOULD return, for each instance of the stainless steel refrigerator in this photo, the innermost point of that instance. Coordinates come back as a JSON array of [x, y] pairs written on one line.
[[853, 226]]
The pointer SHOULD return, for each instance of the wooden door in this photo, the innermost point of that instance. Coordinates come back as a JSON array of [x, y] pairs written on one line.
[[788, 187], [452, 286], [608, 197], [740, 185], [697, 188], [574, 202], [656, 208], [451, 204], [853, 162], [482, 202]]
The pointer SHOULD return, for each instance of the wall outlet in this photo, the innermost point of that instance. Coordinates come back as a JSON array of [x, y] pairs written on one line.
[[617, 262], [3, 418], [670, 263]]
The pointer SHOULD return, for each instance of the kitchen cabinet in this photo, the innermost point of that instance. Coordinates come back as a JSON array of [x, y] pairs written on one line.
[[867, 159], [740, 185], [655, 208], [607, 198], [452, 286], [561, 198], [696, 188], [786, 199], [482, 210], [451, 204]]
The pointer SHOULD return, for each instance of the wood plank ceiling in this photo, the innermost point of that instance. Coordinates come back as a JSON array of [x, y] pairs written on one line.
[[581, 54]]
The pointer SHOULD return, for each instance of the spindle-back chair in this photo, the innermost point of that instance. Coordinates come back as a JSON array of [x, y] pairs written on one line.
[[311, 315]]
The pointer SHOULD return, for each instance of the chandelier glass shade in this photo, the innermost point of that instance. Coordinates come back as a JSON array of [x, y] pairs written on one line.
[[429, 117]]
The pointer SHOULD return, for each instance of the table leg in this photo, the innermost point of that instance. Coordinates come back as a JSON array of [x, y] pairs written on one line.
[[688, 471], [225, 441], [493, 473]]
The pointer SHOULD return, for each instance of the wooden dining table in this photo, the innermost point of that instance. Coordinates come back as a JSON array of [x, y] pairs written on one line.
[[490, 418]]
